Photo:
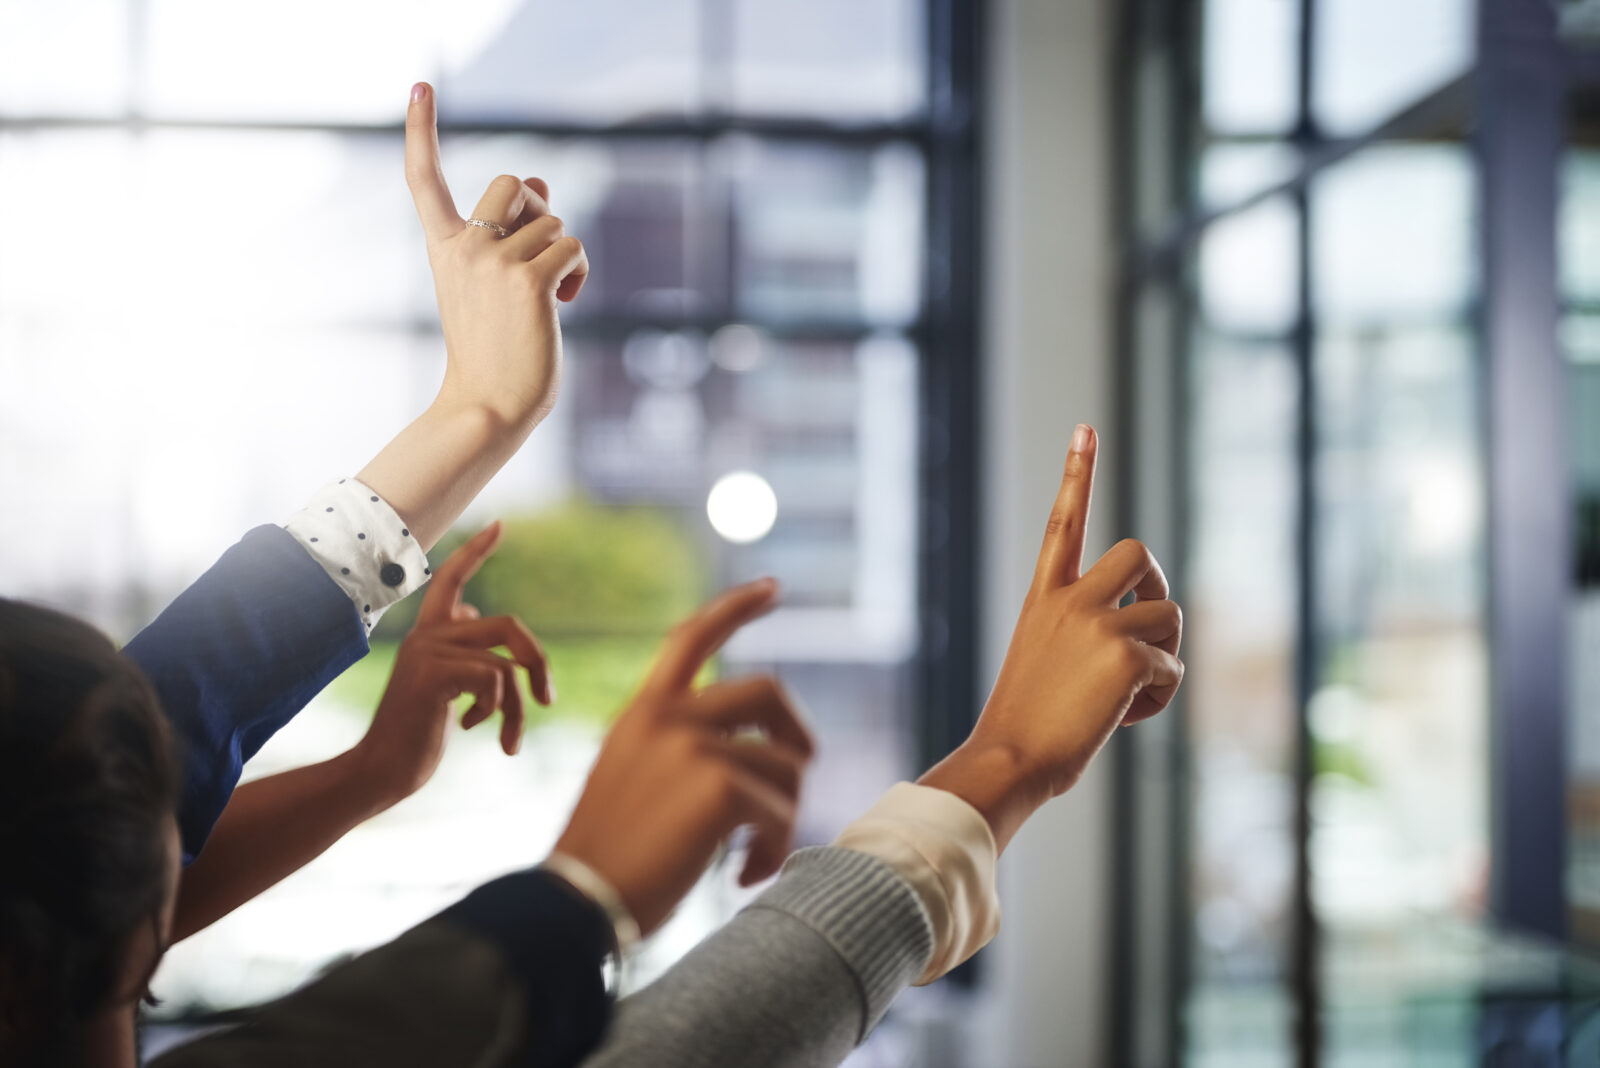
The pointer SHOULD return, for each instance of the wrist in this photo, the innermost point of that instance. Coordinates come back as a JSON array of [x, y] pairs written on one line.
[[501, 409], [373, 782], [994, 777]]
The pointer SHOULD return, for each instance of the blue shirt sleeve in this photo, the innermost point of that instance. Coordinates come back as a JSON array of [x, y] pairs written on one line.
[[237, 655]]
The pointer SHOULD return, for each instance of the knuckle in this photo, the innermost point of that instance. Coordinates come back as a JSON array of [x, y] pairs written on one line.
[[1133, 548], [718, 782], [1059, 522], [505, 183]]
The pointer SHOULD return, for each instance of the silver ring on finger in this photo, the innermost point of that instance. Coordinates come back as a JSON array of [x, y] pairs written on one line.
[[489, 224]]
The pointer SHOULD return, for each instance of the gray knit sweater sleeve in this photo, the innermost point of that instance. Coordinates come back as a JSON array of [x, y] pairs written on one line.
[[795, 980]]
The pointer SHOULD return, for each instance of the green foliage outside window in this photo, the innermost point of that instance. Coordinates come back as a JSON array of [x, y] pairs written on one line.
[[599, 586]]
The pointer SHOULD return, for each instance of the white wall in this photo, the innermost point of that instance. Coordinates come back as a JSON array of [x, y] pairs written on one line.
[[1048, 359]]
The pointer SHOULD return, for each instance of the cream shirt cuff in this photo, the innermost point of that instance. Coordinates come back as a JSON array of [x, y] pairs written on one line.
[[362, 544], [943, 847]]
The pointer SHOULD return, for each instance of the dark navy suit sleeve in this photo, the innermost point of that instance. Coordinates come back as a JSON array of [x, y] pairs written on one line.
[[554, 942], [507, 978], [237, 655]]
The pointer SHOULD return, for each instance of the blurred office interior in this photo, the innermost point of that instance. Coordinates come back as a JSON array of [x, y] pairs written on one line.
[[1324, 273]]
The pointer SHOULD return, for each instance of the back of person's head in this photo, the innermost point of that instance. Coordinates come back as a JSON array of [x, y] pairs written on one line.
[[88, 786]]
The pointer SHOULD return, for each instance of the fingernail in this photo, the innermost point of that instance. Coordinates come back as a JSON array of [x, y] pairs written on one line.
[[419, 91], [1080, 438]]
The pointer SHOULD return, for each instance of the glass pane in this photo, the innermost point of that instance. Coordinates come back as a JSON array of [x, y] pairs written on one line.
[[1583, 628], [655, 234], [63, 57], [1249, 266], [600, 62], [1394, 235], [323, 278], [1399, 718], [1375, 58], [1234, 171], [259, 61], [826, 235], [834, 59], [1250, 66], [1241, 716], [1579, 222], [596, 61], [603, 61], [785, 233]]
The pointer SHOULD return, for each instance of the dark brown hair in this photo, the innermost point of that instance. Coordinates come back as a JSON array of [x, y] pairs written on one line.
[[88, 786]]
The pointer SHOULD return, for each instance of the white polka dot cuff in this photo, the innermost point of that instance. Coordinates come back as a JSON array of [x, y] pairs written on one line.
[[362, 544]]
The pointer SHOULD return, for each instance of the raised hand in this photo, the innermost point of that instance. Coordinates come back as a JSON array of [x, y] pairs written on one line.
[[497, 295], [1078, 665], [682, 768], [448, 653]]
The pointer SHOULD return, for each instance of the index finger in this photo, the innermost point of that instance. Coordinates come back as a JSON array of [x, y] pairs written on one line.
[[1061, 556], [697, 638], [424, 174], [450, 578]]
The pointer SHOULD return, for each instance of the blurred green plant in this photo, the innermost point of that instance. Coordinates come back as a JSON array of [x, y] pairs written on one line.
[[599, 586], [1341, 758], [580, 569]]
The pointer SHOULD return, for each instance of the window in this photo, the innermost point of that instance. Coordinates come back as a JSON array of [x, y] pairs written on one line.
[[1351, 425], [214, 297]]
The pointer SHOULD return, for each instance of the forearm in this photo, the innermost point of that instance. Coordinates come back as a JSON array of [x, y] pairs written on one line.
[[433, 468], [271, 828]]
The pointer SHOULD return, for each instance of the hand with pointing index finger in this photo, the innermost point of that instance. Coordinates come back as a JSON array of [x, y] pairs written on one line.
[[682, 768], [497, 279], [449, 653], [1078, 667]]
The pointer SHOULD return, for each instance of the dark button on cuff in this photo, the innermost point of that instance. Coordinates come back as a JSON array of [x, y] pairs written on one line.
[[392, 574]]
